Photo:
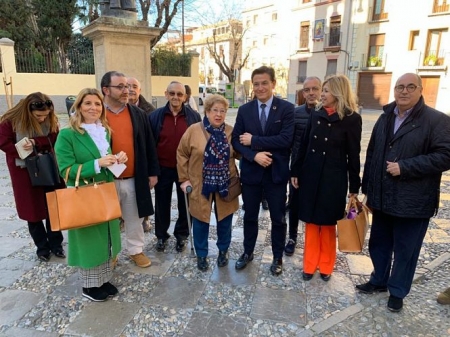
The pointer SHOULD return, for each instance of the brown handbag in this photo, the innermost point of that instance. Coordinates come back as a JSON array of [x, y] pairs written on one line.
[[352, 232], [82, 206], [234, 189]]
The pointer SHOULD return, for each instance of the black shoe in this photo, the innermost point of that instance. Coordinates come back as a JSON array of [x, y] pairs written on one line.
[[44, 257], [290, 248], [160, 245], [265, 205], [110, 289], [181, 244], [95, 294], [306, 276], [395, 304], [277, 267], [202, 263], [325, 277], [243, 260], [369, 288], [60, 253], [222, 259]]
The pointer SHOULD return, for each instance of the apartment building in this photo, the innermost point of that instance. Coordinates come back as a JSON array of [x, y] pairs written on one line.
[[373, 42]]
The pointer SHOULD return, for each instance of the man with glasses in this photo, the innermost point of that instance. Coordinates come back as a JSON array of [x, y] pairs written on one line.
[[168, 124], [311, 94], [407, 153], [131, 134]]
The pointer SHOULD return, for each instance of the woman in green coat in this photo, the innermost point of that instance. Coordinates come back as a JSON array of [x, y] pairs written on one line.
[[87, 142]]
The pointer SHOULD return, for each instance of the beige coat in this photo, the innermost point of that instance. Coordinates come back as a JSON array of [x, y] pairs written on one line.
[[190, 166]]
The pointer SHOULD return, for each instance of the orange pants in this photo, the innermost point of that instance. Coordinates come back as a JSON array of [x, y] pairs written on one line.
[[320, 249]]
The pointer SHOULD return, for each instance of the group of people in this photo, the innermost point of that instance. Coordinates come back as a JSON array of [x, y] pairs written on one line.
[[315, 148]]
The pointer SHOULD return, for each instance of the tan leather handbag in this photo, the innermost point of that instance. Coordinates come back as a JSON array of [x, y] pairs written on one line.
[[82, 206], [352, 232]]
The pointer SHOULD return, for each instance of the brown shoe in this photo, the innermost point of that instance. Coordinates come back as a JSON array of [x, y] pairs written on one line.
[[444, 297], [141, 260]]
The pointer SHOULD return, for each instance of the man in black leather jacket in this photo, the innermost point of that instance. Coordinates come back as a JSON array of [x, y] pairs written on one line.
[[312, 87], [407, 153]]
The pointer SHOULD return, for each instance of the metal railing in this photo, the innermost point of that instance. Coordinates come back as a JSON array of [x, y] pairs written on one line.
[[372, 61], [432, 58], [377, 16], [332, 40], [73, 61]]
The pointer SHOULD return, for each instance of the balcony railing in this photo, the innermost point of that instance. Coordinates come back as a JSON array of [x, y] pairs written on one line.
[[378, 16], [432, 58], [371, 61], [301, 79], [441, 8], [332, 41]]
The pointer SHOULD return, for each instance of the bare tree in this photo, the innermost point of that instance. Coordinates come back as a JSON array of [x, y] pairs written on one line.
[[235, 60]]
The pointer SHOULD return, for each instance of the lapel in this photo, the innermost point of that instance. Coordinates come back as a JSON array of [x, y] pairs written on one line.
[[407, 126], [86, 141], [273, 113], [255, 112]]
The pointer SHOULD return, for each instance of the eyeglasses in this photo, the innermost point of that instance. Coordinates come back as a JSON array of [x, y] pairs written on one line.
[[121, 87], [40, 104], [178, 94], [218, 112], [409, 87]]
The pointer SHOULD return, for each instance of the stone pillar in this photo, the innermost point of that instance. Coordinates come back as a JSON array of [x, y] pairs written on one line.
[[7, 56], [122, 45]]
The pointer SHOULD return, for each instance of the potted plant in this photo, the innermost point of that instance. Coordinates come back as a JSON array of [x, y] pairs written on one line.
[[374, 61], [430, 60]]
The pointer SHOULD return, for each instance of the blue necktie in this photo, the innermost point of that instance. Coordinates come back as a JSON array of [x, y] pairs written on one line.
[[263, 118]]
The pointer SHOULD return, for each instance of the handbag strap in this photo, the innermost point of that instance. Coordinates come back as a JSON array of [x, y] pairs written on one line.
[[77, 179], [66, 178]]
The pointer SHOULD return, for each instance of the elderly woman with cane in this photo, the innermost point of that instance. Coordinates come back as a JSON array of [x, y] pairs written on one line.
[[206, 162]]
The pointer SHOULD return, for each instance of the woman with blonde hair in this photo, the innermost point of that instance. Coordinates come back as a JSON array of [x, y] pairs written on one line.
[[32, 118], [327, 166], [206, 162], [86, 143]]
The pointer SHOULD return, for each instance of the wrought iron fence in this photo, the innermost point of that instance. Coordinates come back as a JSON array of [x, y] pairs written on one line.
[[73, 61]]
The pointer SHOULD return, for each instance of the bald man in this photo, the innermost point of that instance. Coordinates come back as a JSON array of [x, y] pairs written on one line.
[[407, 153], [135, 97]]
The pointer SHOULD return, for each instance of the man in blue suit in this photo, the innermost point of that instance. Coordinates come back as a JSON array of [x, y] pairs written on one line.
[[263, 134]]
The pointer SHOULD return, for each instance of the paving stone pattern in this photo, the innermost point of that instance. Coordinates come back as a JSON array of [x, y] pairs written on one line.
[[173, 298]]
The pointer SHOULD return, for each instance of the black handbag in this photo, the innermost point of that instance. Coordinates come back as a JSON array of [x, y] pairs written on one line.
[[42, 169]]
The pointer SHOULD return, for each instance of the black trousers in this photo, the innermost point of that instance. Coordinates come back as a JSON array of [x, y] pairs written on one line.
[[163, 205], [293, 212], [276, 199], [44, 238]]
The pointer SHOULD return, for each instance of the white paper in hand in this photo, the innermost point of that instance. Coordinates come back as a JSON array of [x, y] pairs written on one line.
[[117, 169], [21, 151]]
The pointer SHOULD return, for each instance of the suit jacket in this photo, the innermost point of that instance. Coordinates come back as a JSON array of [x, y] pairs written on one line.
[[277, 139]]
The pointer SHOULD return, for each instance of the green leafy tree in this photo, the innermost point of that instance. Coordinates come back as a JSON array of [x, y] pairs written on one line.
[[15, 22]]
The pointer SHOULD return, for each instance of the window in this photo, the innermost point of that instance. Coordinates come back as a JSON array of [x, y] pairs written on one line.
[[413, 38], [434, 45], [221, 51], [306, 1], [376, 50], [378, 11], [441, 6], [254, 43], [255, 19], [265, 40], [274, 16], [331, 68], [301, 71], [247, 23], [335, 31], [304, 34]]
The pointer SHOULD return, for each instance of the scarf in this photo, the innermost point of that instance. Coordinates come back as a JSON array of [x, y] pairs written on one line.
[[216, 170]]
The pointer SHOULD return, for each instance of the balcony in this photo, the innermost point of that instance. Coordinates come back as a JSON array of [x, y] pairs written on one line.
[[442, 8], [332, 41], [433, 60], [374, 17], [375, 63]]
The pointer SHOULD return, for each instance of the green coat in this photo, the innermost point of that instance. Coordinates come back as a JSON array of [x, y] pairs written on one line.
[[88, 247]]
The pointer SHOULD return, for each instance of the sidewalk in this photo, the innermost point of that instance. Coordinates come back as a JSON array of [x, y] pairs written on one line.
[[173, 298]]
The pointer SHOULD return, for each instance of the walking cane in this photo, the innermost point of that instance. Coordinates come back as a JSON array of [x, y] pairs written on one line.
[[189, 190]]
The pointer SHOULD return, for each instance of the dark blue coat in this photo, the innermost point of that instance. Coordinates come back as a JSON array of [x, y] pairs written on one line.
[[421, 146], [327, 166], [277, 139]]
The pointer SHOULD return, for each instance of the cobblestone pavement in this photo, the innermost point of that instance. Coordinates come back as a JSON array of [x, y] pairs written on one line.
[[173, 298]]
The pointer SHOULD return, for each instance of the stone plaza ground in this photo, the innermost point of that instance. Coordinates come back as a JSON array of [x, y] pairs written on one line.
[[173, 298]]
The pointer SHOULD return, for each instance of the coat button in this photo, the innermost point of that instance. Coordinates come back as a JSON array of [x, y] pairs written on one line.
[[315, 137], [318, 122], [313, 150], [329, 124], [324, 153], [326, 139]]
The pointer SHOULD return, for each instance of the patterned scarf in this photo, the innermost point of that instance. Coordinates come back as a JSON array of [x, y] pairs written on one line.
[[216, 170]]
